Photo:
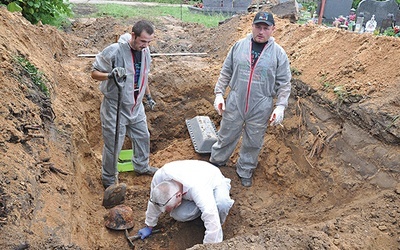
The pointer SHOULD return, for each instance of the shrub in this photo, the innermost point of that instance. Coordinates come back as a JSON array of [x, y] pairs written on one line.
[[45, 11]]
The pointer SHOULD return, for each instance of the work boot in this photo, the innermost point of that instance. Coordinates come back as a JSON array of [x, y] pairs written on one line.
[[150, 171], [107, 182], [217, 165], [246, 182], [106, 185]]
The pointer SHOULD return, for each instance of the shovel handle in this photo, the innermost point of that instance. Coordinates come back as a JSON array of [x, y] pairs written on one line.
[[116, 138]]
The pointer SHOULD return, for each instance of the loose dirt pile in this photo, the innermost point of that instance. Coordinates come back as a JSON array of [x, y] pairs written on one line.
[[327, 180]]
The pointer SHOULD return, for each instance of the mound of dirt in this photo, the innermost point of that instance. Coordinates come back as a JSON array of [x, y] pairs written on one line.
[[328, 179]]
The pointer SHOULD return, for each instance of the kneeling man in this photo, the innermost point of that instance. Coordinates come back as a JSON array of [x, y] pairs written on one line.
[[188, 189]]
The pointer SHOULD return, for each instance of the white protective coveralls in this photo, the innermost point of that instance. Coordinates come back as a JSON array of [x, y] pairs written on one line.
[[250, 101], [133, 121], [205, 193]]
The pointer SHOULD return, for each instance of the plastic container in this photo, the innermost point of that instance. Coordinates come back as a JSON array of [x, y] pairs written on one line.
[[203, 133], [125, 161]]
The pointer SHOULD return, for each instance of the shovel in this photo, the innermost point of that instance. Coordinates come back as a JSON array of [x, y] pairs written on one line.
[[115, 193]]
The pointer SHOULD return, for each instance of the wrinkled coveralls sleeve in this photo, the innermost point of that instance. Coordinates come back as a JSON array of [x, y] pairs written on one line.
[[283, 77], [226, 72], [204, 199], [105, 59], [153, 211], [104, 62]]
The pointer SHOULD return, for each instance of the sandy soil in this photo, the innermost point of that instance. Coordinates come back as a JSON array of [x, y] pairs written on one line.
[[327, 180]]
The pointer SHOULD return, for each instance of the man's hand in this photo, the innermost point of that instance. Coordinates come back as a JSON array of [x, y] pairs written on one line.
[[118, 71], [150, 102], [145, 232], [219, 103], [277, 115]]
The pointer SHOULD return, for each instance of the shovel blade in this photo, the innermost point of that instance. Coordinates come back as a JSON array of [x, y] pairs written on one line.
[[114, 195]]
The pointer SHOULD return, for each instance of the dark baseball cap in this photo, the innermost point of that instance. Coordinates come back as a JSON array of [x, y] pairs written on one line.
[[264, 17]]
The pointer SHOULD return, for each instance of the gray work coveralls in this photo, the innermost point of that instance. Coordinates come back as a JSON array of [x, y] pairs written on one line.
[[133, 121], [250, 101]]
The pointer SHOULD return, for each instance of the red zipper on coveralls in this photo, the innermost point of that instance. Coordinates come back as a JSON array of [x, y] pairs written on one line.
[[251, 77], [248, 88], [141, 85]]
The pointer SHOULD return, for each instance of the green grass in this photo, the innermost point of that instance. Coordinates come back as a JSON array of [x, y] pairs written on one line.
[[34, 74], [295, 71], [183, 14]]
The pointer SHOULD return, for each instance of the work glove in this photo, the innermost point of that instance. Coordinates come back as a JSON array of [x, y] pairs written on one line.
[[277, 115], [150, 102], [219, 103], [118, 71], [145, 232]]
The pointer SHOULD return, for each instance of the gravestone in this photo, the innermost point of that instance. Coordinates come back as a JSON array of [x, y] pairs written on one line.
[[335, 8], [286, 9], [386, 23], [380, 9], [226, 6]]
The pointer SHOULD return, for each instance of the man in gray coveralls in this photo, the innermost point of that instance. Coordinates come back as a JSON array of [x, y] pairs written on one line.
[[130, 61], [256, 70]]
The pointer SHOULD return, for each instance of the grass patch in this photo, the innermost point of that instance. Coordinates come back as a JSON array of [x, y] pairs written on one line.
[[146, 12], [326, 85], [33, 73], [394, 120], [341, 92], [295, 71]]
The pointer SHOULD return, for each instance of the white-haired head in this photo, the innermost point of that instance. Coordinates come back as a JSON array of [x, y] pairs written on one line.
[[164, 193]]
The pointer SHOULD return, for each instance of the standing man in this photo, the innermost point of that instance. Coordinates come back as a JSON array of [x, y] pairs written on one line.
[[130, 62], [256, 70], [188, 189], [125, 38]]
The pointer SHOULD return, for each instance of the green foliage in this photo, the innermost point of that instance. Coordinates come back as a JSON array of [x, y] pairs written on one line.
[[14, 7], [310, 6], [389, 32], [35, 75], [295, 71], [355, 3], [325, 84], [124, 11], [340, 92], [392, 32], [395, 119], [52, 12]]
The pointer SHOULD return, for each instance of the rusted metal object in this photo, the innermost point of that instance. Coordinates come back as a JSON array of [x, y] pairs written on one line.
[[119, 218]]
